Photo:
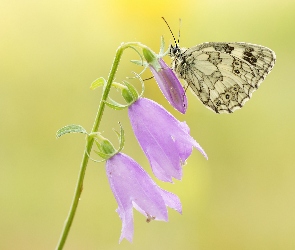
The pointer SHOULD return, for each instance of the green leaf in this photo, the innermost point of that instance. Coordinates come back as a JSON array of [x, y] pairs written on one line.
[[70, 129], [97, 83]]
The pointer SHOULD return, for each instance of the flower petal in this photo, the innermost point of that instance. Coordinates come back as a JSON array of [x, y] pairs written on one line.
[[165, 141], [132, 185], [171, 200], [170, 86]]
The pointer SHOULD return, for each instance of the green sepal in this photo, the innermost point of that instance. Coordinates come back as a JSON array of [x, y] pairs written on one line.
[[73, 128], [104, 146], [117, 85], [102, 155], [142, 84], [127, 95], [98, 145], [139, 62], [98, 83], [107, 147], [115, 105], [151, 59], [121, 138], [132, 90], [135, 49], [162, 47]]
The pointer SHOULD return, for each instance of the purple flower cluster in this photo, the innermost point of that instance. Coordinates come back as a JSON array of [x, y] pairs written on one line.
[[167, 144]]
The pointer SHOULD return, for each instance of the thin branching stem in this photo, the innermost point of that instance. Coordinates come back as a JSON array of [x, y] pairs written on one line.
[[89, 143]]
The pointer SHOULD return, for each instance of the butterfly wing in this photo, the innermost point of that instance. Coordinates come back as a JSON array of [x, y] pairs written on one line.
[[224, 75]]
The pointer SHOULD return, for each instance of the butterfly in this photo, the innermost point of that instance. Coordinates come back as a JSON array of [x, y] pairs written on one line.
[[222, 75]]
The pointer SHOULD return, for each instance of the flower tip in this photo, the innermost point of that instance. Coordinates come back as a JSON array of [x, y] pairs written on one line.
[[200, 149], [183, 106], [203, 153], [125, 237]]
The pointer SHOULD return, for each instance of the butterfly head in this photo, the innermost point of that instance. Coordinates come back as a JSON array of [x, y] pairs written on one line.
[[174, 51]]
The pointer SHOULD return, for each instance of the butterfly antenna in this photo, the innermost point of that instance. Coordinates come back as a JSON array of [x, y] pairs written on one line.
[[171, 33], [179, 30]]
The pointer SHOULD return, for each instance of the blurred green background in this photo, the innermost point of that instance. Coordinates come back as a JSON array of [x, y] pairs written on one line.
[[243, 197]]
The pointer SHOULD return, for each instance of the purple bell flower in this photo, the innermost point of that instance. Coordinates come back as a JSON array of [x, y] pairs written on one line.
[[167, 81], [170, 86], [165, 140], [133, 187]]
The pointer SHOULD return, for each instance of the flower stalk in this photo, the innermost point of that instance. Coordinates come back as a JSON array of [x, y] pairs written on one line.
[[89, 143]]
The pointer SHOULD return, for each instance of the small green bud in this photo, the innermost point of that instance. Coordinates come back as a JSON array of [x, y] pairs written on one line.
[[127, 96], [151, 59], [107, 147]]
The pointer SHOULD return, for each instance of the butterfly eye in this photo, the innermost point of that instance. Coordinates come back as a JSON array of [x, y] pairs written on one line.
[[176, 51], [173, 50]]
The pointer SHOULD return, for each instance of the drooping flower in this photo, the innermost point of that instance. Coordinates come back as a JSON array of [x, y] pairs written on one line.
[[133, 187], [167, 81], [165, 140]]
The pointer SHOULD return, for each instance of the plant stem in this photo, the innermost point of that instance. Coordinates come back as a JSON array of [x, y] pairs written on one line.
[[89, 143]]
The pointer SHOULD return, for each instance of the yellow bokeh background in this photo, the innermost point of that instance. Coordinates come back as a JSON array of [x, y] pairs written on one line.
[[243, 197]]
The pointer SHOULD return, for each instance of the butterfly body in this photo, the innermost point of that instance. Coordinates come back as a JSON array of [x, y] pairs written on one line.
[[223, 75]]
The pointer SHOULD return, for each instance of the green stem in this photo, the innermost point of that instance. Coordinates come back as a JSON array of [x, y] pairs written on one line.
[[89, 144]]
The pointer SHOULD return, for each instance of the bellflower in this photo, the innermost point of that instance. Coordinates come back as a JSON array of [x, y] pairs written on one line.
[[165, 140], [167, 81], [133, 187]]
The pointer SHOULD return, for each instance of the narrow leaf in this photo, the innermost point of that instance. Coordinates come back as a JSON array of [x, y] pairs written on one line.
[[97, 83], [70, 129]]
